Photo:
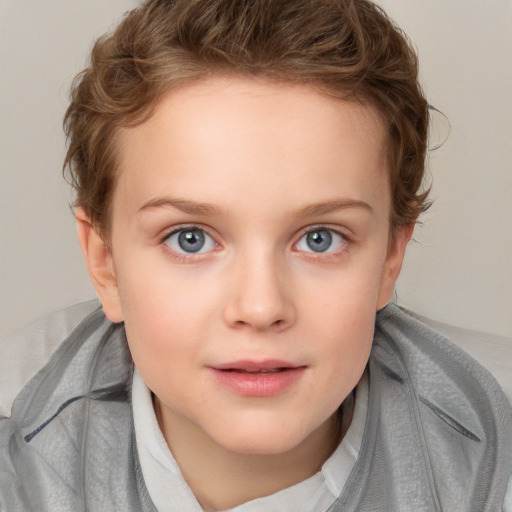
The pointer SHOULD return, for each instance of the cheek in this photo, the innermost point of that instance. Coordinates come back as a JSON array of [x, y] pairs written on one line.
[[345, 353], [340, 317], [163, 292], [344, 336], [166, 314], [349, 293]]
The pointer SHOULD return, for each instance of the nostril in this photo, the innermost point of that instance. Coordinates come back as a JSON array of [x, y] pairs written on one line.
[[260, 308], [277, 324]]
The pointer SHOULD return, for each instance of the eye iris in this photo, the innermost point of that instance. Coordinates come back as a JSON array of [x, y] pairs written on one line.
[[319, 241], [191, 241]]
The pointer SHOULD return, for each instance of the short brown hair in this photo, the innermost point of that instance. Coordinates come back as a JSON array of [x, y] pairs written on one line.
[[349, 49]]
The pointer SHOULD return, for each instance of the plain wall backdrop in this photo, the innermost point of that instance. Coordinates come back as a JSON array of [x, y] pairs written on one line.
[[457, 271]]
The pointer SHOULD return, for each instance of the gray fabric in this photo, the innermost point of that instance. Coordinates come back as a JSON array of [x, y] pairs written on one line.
[[69, 443], [438, 434], [491, 351], [23, 353], [439, 429]]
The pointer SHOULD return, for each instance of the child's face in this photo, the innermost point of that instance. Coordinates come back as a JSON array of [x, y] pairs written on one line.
[[250, 231]]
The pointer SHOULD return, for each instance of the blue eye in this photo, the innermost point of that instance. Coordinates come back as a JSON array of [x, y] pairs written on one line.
[[321, 240], [190, 241]]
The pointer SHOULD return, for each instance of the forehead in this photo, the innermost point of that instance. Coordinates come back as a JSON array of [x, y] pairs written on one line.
[[239, 138]]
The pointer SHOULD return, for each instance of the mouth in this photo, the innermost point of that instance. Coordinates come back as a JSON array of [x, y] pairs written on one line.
[[258, 379], [249, 366], [262, 371]]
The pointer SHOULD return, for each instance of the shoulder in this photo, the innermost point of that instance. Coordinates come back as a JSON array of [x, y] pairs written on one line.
[[26, 351], [493, 352], [72, 415], [454, 379]]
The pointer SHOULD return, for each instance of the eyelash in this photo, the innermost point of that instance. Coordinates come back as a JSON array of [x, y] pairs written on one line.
[[186, 258], [323, 256], [316, 256]]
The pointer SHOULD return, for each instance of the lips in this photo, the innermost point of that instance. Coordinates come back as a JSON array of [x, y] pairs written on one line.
[[261, 370], [267, 365], [258, 378]]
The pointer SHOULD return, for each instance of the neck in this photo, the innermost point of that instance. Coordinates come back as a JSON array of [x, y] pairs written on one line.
[[222, 479]]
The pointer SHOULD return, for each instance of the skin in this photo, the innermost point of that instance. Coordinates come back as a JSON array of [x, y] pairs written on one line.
[[271, 161]]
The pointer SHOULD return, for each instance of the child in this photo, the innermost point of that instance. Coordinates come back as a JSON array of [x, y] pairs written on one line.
[[248, 176]]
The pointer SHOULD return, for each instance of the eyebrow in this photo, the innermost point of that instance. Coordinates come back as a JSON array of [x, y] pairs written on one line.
[[197, 208], [190, 207], [331, 206]]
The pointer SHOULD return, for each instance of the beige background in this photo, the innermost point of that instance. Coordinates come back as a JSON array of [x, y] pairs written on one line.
[[459, 269]]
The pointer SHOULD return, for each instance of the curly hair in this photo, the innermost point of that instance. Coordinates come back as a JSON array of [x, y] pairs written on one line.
[[349, 49]]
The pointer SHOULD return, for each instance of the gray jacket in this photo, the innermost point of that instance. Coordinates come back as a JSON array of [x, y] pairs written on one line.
[[438, 434]]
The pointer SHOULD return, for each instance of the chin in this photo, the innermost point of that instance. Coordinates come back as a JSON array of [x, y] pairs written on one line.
[[258, 439], [261, 447]]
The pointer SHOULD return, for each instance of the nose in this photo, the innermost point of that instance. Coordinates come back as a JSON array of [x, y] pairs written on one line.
[[260, 295]]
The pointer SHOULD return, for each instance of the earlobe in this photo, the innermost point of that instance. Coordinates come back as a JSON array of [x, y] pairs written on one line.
[[393, 264], [100, 266]]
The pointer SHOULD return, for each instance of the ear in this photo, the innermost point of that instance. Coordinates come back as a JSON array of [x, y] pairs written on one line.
[[393, 264], [100, 266]]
